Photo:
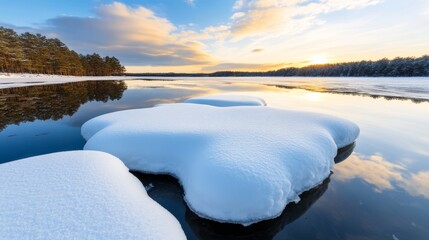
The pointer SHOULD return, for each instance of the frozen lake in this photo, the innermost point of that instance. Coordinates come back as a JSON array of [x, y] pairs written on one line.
[[381, 191]]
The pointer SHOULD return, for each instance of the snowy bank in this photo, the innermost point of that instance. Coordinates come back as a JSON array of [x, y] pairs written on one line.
[[78, 195], [23, 80], [236, 164], [227, 100]]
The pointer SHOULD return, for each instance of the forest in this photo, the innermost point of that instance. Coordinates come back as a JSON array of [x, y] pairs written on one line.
[[398, 67], [35, 53]]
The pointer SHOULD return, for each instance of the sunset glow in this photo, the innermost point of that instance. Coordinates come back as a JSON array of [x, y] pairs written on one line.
[[207, 36], [319, 60]]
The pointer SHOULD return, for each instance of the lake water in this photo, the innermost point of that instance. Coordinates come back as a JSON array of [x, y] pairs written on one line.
[[381, 191]]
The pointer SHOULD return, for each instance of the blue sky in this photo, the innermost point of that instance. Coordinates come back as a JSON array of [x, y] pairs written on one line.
[[205, 13], [211, 35]]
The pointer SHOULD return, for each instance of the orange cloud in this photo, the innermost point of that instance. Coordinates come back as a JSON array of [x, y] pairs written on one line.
[[268, 16], [136, 35], [383, 175], [374, 170]]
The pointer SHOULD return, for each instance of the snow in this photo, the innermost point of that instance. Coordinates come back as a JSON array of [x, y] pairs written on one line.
[[78, 195], [227, 100], [9, 80], [236, 164]]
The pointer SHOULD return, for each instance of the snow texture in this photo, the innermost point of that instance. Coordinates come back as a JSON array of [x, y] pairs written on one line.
[[227, 100], [236, 164], [78, 195]]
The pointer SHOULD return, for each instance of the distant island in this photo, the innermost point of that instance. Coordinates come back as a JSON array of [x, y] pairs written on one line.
[[398, 67], [35, 53]]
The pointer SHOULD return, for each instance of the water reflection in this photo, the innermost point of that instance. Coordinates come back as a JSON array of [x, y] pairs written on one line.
[[383, 175], [167, 191], [380, 191], [27, 104], [350, 92], [44, 119]]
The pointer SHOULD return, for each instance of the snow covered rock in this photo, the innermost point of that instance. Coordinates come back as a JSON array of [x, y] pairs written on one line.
[[78, 195], [227, 100], [237, 165]]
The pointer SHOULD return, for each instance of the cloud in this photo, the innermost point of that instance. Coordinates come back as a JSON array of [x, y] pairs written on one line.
[[208, 33], [238, 4], [190, 2], [383, 175], [257, 50], [137, 36], [282, 16], [258, 21]]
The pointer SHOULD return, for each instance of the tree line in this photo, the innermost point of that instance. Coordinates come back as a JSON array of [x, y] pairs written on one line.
[[398, 67], [35, 53]]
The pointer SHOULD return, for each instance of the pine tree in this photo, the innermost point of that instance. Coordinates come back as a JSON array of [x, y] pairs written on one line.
[[34, 53]]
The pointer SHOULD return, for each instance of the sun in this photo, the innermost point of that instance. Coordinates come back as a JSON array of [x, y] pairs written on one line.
[[318, 60]]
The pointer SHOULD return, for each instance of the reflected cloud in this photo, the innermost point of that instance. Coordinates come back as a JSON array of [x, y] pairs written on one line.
[[374, 170], [383, 175], [417, 184]]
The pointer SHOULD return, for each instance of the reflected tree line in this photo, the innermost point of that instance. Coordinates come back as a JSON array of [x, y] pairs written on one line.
[[352, 93], [35, 53], [26, 104]]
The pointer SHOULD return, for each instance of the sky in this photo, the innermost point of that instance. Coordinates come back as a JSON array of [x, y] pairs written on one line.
[[217, 35]]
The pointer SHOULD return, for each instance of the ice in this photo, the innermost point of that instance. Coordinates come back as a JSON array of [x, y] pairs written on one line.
[[236, 164], [415, 88], [78, 195], [228, 100]]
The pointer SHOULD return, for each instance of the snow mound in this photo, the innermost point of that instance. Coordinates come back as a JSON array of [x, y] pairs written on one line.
[[78, 195], [236, 165], [227, 100]]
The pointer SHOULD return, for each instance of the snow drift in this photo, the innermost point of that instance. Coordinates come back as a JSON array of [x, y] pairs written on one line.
[[78, 195], [236, 164]]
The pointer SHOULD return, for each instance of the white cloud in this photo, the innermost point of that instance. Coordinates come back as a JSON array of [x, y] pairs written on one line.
[[190, 2], [238, 4]]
